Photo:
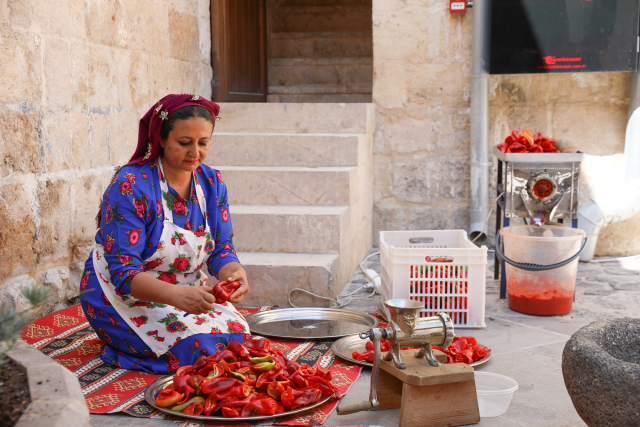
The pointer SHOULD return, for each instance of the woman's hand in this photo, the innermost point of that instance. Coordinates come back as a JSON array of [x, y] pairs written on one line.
[[194, 299], [234, 271]]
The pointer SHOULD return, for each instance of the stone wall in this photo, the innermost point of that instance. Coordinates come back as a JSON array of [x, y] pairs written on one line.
[[422, 82], [76, 76]]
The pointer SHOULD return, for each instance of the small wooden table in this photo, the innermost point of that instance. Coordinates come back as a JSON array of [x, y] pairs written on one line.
[[429, 396]]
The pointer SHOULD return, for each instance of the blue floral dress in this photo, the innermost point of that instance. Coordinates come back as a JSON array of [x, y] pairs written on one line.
[[128, 242]]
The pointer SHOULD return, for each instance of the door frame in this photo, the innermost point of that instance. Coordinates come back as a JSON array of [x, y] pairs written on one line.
[[220, 54]]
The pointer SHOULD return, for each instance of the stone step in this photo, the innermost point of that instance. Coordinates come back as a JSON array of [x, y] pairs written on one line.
[[295, 118], [272, 275], [288, 229], [332, 98], [309, 46], [292, 186], [313, 71], [320, 89], [284, 149], [323, 18]]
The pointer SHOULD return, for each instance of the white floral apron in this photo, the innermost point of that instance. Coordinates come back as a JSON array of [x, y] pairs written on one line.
[[178, 260]]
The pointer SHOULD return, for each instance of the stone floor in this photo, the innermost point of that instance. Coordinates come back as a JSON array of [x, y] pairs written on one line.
[[525, 348]]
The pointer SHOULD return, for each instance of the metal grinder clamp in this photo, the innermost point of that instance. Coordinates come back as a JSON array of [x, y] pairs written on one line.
[[405, 329]]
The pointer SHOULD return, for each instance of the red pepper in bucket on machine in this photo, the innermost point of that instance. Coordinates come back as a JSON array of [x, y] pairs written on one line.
[[523, 141]]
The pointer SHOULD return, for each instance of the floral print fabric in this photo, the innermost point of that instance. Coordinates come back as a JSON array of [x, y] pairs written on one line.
[[156, 331], [131, 221]]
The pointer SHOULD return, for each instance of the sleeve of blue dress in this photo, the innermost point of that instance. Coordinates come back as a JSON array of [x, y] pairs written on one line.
[[220, 224], [123, 226]]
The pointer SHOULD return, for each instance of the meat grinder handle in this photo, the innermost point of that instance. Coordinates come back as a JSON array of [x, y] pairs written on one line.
[[352, 408], [372, 403]]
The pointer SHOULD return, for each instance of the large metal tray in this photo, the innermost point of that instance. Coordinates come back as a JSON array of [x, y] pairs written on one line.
[[310, 323], [152, 391], [344, 347]]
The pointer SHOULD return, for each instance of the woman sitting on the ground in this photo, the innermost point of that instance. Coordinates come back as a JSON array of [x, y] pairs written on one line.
[[163, 217]]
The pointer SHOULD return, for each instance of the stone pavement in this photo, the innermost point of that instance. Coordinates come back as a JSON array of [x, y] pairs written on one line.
[[525, 348]]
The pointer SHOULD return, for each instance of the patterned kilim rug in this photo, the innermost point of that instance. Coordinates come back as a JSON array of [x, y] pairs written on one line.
[[67, 337]]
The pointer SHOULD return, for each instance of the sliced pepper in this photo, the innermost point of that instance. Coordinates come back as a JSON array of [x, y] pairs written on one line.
[[264, 366], [229, 412], [287, 398], [238, 349], [218, 385], [209, 405], [195, 408], [222, 291], [261, 345], [227, 356], [168, 398], [237, 391], [275, 389], [257, 360], [195, 381], [308, 397], [238, 376], [195, 399], [266, 406], [216, 370]]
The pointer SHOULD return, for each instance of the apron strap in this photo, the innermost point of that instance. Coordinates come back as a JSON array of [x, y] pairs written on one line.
[[164, 189]]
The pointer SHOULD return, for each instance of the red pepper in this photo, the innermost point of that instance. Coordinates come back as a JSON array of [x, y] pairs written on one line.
[[384, 345], [218, 385], [212, 370], [181, 385], [308, 397], [323, 373], [222, 290], [239, 403], [325, 386], [287, 398], [366, 356], [250, 377], [262, 345], [168, 398], [195, 381], [280, 408], [194, 409], [238, 349], [297, 380], [275, 389], [209, 405], [185, 370], [237, 391], [229, 412], [227, 356], [266, 406]]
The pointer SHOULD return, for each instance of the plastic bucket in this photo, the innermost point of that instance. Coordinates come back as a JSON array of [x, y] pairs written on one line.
[[548, 292]]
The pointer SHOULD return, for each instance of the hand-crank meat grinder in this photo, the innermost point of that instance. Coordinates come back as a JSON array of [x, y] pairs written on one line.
[[409, 381]]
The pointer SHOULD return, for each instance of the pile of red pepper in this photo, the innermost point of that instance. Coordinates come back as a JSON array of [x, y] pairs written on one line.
[[246, 381], [367, 356], [223, 290], [523, 141], [462, 350]]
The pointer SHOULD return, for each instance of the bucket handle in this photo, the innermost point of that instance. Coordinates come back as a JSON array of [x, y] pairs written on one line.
[[536, 267]]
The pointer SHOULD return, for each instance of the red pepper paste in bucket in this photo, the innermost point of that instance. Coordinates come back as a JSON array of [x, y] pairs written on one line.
[[548, 298], [547, 292]]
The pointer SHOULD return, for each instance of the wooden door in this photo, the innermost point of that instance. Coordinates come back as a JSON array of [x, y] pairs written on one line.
[[238, 50]]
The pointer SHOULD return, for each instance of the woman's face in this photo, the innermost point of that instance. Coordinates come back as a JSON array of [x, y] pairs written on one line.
[[187, 145]]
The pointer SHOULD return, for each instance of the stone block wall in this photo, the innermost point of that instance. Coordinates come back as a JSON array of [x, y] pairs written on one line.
[[76, 77], [422, 83]]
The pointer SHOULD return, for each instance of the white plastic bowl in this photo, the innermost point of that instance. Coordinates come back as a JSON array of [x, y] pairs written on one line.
[[494, 393]]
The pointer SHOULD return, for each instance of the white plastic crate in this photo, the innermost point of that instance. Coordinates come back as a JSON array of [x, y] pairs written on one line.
[[456, 287]]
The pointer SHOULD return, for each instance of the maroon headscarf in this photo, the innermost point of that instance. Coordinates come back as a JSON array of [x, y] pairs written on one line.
[[150, 124]]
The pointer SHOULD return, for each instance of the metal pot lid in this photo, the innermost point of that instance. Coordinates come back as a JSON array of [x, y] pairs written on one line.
[[310, 323]]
